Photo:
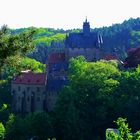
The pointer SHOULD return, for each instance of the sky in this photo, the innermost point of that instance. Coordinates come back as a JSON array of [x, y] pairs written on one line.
[[66, 14]]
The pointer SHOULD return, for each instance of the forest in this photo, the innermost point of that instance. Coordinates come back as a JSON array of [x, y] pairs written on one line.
[[98, 93]]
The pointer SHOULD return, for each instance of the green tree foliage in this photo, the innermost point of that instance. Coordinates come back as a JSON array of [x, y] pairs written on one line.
[[135, 40], [36, 125], [2, 131], [15, 64], [47, 40], [69, 126], [128, 97], [87, 103], [11, 45], [118, 38], [5, 101], [124, 132], [14, 128], [97, 94]]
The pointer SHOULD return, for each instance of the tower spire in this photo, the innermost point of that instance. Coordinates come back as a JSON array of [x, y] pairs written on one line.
[[86, 28], [86, 18]]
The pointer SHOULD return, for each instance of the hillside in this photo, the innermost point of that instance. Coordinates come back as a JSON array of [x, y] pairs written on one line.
[[117, 38]]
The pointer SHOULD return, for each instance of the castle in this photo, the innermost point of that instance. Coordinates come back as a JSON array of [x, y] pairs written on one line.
[[86, 43], [38, 92]]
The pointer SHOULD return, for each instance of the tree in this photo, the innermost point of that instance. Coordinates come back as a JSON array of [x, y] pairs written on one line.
[[65, 111], [11, 44], [5, 100], [14, 67], [2, 131], [124, 132], [15, 127], [133, 58], [90, 96], [38, 125]]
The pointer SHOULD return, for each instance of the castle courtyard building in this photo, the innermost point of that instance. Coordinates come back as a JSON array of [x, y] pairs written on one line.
[[86, 43], [29, 92]]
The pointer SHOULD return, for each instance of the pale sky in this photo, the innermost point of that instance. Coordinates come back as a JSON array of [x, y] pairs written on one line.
[[66, 14]]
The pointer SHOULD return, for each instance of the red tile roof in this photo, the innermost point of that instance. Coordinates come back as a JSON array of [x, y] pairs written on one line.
[[30, 78], [110, 57], [56, 57]]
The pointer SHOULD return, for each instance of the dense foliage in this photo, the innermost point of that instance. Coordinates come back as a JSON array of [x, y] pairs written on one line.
[[123, 132], [97, 94], [119, 38], [133, 59], [15, 64], [37, 125], [13, 51], [11, 45], [2, 131]]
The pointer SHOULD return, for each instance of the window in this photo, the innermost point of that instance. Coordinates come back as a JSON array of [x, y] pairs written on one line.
[[32, 94], [38, 99], [28, 88], [13, 92], [28, 99], [38, 89], [23, 93], [19, 88]]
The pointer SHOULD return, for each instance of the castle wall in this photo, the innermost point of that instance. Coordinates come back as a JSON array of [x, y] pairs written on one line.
[[51, 99], [89, 53], [28, 98]]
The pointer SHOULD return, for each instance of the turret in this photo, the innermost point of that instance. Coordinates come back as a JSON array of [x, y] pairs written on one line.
[[86, 28]]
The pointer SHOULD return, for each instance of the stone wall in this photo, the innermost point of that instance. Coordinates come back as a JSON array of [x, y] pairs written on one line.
[[28, 98], [90, 54]]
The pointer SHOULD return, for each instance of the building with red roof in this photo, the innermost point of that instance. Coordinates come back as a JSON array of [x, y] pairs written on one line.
[[29, 92], [30, 78]]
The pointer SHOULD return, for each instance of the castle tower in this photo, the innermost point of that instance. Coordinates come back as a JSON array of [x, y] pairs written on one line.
[[86, 28], [57, 68]]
